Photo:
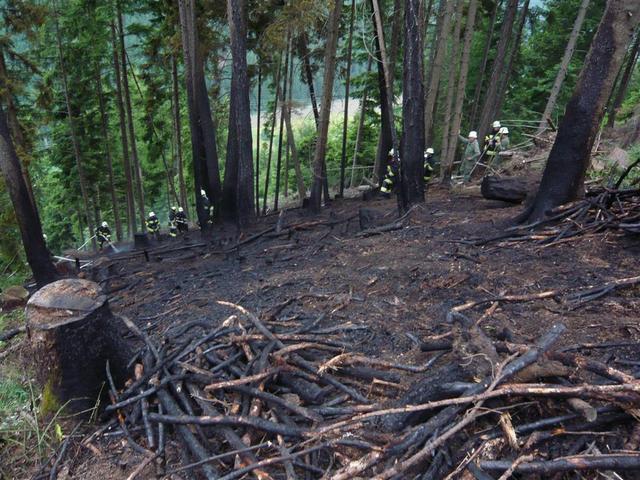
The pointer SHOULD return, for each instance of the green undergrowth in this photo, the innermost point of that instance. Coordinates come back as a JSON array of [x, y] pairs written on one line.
[[27, 437]]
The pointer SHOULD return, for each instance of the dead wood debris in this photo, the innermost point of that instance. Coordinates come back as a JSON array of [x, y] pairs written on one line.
[[601, 211], [252, 396]]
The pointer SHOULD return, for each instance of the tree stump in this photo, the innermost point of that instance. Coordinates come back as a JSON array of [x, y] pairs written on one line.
[[73, 334], [506, 189]]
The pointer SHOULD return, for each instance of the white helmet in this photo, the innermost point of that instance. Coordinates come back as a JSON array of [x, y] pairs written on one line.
[[392, 152], [151, 214], [504, 131], [473, 134], [496, 124], [202, 192], [173, 208], [429, 151], [44, 237], [181, 209], [105, 224]]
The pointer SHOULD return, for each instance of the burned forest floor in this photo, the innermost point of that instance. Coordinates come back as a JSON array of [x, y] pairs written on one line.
[[385, 290]]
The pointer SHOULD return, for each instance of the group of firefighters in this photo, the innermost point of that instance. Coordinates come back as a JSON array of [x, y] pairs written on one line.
[[495, 142], [178, 222]]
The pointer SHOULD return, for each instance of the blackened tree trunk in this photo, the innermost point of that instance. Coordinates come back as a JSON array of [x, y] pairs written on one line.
[[104, 127], [396, 35], [203, 138], [271, 135], [283, 104], [319, 170], [564, 65], [515, 50], [490, 98], [131, 210], [35, 247], [385, 141], [447, 158], [473, 119], [624, 81], [16, 129], [236, 12], [177, 132], [412, 108], [74, 137], [345, 121], [563, 178], [444, 20], [308, 75], [258, 135], [130, 122]]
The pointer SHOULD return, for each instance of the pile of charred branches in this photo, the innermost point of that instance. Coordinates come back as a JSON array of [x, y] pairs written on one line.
[[600, 211], [260, 396]]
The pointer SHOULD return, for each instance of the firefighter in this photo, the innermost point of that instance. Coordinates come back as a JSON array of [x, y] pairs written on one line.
[[103, 234], [181, 221], [471, 154], [505, 143], [173, 230], [389, 181], [429, 164], [492, 141], [153, 224], [206, 204]]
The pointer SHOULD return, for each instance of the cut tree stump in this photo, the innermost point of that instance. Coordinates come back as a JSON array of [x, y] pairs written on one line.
[[73, 335], [506, 189]]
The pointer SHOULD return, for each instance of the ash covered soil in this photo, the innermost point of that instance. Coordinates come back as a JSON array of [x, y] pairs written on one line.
[[382, 294], [381, 287]]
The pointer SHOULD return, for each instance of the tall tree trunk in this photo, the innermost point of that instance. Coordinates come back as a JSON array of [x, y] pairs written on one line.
[[74, 138], [356, 147], [16, 130], [515, 50], [236, 12], [563, 178], [281, 129], [258, 136], [104, 126], [396, 35], [448, 157], [473, 119], [490, 100], [412, 108], [130, 121], [308, 75], [303, 50], [206, 173], [451, 82], [33, 242], [319, 169], [564, 65], [444, 19], [271, 135], [131, 209], [385, 138], [624, 81], [177, 132], [345, 121], [288, 110], [302, 192]]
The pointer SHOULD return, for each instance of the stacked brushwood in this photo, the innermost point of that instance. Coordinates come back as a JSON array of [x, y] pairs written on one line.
[[601, 211], [252, 395]]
